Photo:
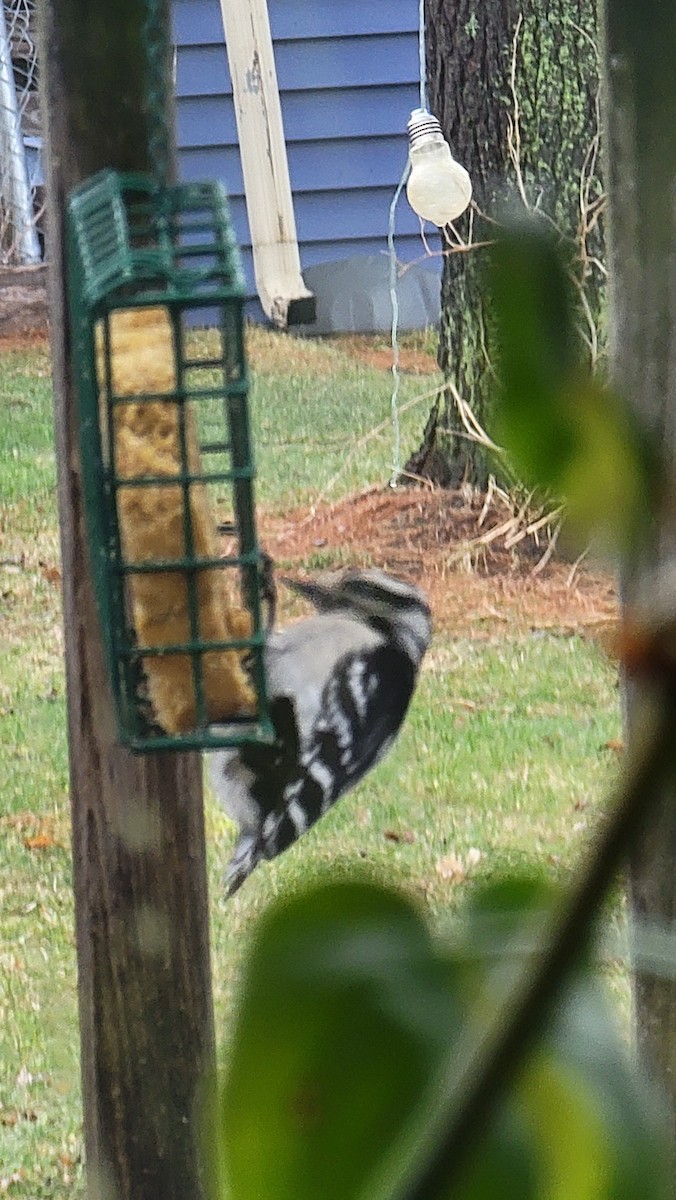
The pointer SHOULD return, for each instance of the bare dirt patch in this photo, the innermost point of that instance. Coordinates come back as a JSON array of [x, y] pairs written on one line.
[[270, 352], [413, 360], [27, 339], [23, 306], [25, 327], [427, 535], [431, 537]]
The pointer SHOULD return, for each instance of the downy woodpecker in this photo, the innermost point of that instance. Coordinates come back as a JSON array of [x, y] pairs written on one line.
[[340, 683]]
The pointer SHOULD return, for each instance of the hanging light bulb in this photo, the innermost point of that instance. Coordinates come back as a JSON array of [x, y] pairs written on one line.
[[438, 188]]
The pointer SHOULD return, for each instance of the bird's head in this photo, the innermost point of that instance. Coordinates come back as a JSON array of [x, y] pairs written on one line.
[[392, 605]]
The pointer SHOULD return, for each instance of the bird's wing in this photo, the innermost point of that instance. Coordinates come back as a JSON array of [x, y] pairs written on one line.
[[273, 763], [271, 766], [363, 706]]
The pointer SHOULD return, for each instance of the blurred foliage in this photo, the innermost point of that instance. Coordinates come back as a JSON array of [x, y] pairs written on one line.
[[564, 429], [353, 1029], [359, 1040]]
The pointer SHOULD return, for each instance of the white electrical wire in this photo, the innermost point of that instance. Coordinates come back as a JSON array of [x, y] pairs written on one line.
[[422, 59], [394, 298]]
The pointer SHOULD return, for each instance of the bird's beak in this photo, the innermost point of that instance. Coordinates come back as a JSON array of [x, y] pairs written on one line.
[[321, 596]]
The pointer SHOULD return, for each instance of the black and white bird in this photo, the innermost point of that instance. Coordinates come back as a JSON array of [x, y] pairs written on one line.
[[340, 683]]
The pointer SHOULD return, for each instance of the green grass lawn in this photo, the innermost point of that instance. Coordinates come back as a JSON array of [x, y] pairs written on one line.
[[501, 761]]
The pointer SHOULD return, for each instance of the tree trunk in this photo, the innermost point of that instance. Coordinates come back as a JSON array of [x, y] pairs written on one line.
[[138, 836], [515, 87], [640, 53]]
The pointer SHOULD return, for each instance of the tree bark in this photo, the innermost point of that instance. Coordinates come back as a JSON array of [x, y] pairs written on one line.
[[640, 82], [138, 833], [514, 85]]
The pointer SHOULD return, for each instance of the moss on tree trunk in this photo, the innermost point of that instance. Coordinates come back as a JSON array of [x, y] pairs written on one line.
[[515, 86]]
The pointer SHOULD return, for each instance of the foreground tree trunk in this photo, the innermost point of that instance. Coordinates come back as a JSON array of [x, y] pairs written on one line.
[[138, 837], [640, 53], [515, 86]]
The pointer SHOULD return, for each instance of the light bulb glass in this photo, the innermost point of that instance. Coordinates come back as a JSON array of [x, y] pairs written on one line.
[[438, 189]]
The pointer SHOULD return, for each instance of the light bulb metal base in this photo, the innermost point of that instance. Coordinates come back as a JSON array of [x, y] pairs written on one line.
[[423, 127]]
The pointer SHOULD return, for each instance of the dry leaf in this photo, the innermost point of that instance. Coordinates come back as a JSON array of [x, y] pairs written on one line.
[[614, 744], [20, 820], [397, 835], [41, 841], [50, 574], [6, 1181], [11, 1116], [451, 867], [455, 869]]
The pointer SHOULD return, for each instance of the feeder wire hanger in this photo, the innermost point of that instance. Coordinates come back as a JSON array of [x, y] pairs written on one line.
[[439, 190], [394, 295], [157, 49]]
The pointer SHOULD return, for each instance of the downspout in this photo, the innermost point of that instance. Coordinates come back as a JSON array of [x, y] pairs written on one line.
[[283, 295], [13, 155]]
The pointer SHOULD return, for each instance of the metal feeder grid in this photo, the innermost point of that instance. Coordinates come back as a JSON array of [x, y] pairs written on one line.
[[134, 245]]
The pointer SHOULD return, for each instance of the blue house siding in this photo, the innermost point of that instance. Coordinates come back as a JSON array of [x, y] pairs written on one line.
[[347, 73]]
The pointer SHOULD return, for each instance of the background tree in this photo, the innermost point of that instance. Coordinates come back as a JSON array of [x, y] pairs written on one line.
[[641, 111], [515, 87]]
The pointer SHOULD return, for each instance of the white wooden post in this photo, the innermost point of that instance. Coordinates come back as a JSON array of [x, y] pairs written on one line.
[[282, 292]]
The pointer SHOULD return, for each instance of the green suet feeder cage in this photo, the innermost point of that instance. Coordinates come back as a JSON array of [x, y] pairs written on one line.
[[166, 453]]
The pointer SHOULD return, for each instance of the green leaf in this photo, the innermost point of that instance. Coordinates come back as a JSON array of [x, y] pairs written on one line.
[[567, 1132], [539, 349], [351, 1028], [626, 1157], [345, 1012], [577, 1123], [563, 429]]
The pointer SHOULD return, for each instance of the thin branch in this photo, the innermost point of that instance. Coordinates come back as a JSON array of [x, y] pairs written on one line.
[[471, 422], [551, 547], [575, 567], [514, 120]]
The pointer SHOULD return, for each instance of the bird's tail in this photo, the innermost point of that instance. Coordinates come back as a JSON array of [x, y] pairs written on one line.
[[247, 854]]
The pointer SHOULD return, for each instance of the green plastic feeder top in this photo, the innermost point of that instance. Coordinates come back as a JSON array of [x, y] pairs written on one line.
[[128, 232]]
